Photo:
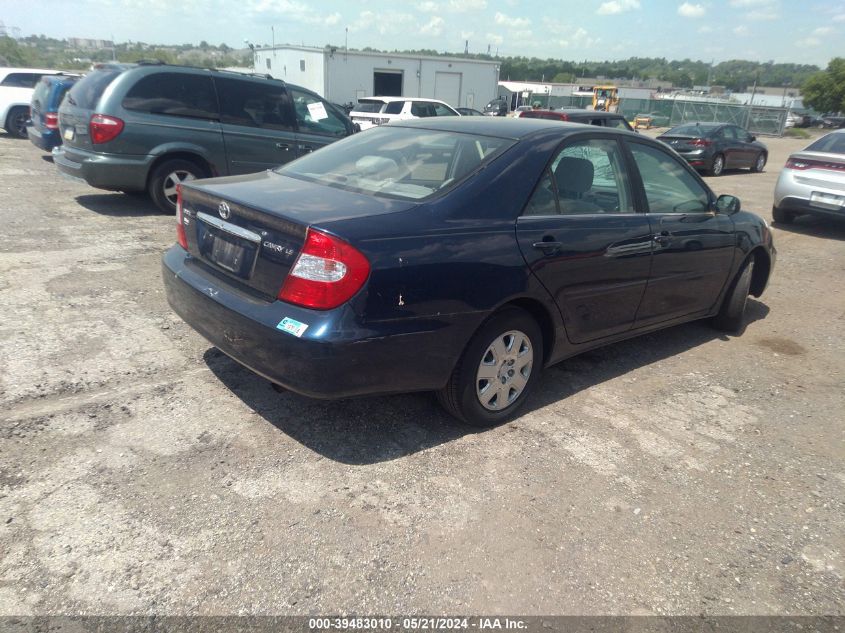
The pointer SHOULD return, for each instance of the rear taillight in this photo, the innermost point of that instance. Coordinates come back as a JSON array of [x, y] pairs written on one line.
[[181, 236], [327, 273], [564, 116], [104, 128], [700, 142], [801, 164], [51, 120]]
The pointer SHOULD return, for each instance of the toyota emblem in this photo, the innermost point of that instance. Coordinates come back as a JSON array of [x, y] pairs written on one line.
[[224, 210]]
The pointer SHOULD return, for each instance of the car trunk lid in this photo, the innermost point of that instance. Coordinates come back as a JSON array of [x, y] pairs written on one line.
[[80, 104]]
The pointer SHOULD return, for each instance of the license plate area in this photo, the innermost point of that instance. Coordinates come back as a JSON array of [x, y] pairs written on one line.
[[68, 134], [827, 200], [234, 253]]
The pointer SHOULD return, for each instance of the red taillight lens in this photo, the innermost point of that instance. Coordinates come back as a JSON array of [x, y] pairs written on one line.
[[104, 128], [564, 116], [802, 164], [327, 273], [51, 120], [181, 236], [700, 142]]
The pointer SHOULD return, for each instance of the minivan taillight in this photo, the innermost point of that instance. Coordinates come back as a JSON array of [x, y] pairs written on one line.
[[51, 120], [104, 128], [181, 236], [327, 273]]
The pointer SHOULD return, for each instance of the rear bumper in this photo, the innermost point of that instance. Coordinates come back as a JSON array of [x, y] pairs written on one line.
[[45, 139], [791, 194], [335, 357], [104, 171]]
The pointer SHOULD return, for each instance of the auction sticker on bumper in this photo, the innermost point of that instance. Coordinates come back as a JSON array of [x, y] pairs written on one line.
[[292, 326]]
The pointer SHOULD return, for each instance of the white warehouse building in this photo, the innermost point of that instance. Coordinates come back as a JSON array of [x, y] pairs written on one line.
[[343, 76]]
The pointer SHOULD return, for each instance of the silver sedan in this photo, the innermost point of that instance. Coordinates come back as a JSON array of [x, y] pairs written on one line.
[[813, 181]]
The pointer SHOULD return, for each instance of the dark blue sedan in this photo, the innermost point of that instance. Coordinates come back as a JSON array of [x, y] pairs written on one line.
[[460, 256]]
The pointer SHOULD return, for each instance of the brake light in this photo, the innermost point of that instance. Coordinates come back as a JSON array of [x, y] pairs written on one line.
[[51, 120], [104, 128], [700, 142], [564, 116], [327, 273], [181, 236], [800, 165]]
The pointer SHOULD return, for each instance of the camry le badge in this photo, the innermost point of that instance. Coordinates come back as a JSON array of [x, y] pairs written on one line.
[[224, 210]]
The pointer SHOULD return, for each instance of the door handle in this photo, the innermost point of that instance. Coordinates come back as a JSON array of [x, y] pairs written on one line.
[[305, 148], [284, 146], [548, 247], [661, 238]]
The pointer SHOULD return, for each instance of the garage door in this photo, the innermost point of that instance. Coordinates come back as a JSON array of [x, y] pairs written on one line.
[[447, 87]]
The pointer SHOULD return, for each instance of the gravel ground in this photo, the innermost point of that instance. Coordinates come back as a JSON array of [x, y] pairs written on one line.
[[141, 471]]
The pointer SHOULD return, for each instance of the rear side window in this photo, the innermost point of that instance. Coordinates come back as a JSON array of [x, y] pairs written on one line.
[[254, 104], [394, 107], [88, 90], [174, 94], [21, 80]]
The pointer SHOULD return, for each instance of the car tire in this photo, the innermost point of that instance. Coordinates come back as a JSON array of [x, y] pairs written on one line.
[[717, 166], [16, 122], [759, 163], [731, 317], [497, 370], [165, 177], [781, 216]]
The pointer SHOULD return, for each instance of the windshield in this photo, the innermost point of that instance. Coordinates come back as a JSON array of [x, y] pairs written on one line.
[[407, 163], [834, 143], [369, 106], [86, 92]]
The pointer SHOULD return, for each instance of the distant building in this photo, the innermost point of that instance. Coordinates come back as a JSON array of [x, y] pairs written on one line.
[[86, 44], [343, 76]]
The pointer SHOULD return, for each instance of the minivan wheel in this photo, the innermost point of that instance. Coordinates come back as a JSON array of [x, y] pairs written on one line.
[[497, 371], [166, 176], [16, 122], [731, 317], [759, 163], [718, 165]]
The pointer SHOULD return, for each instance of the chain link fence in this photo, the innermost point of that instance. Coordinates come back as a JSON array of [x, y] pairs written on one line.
[[670, 112]]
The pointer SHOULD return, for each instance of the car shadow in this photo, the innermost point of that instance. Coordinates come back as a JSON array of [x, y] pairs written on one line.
[[48, 158], [824, 227], [119, 204], [376, 429]]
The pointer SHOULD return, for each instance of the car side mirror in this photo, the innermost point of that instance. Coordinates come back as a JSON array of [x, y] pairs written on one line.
[[728, 204], [751, 138]]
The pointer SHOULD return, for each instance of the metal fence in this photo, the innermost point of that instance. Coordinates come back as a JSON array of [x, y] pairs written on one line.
[[670, 112]]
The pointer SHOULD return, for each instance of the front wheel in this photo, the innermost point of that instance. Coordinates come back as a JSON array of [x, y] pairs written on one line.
[[16, 122], [718, 165], [731, 317], [165, 177], [759, 163], [497, 371]]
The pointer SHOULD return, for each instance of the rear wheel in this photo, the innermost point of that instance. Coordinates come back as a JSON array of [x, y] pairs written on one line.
[[731, 317], [781, 216], [165, 177], [718, 165], [497, 371], [759, 163], [16, 122]]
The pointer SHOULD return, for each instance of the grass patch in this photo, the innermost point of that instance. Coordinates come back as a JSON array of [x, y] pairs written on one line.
[[796, 132]]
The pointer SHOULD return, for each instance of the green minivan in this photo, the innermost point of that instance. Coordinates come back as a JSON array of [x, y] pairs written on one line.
[[150, 126]]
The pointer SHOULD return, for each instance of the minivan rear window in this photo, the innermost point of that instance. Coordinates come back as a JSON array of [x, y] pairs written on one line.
[[87, 91]]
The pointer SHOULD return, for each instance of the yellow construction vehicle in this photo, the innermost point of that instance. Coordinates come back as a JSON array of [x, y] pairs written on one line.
[[606, 98]]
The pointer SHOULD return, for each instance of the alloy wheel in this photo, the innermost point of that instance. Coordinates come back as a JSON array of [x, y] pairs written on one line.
[[173, 179]]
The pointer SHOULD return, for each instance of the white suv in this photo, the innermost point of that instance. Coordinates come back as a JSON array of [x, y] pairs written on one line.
[[380, 110], [16, 88]]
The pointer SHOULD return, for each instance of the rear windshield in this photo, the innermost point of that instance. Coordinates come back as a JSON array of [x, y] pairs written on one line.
[[39, 97], [690, 129], [834, 143], [87, 91], [369, 106], [397, 162]]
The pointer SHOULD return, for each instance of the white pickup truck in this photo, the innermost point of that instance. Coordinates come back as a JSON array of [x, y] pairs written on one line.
[[16, 88]]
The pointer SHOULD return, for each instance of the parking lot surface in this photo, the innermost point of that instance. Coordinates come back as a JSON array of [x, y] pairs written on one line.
[[141, 471]]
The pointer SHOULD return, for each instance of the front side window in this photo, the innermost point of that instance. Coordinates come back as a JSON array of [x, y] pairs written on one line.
[[258, 104], [174, 94], [586, 177], [422, 110], [315, 116], [398, 162], [669, 187], [442, 110]]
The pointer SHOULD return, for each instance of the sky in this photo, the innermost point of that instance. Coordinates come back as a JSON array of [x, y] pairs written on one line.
[[806, 31]]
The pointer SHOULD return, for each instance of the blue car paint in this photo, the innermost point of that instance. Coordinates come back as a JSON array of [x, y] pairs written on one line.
[[40, 135]]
